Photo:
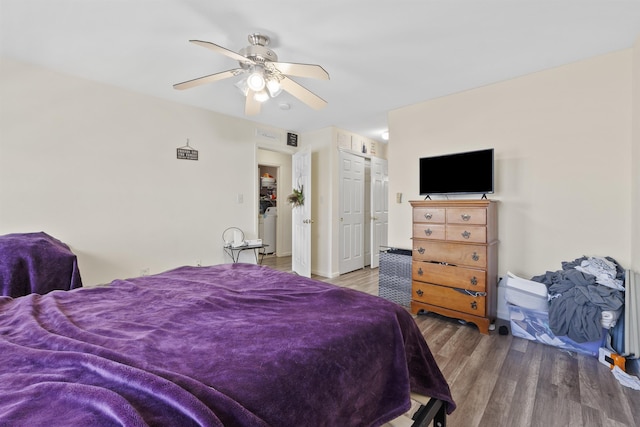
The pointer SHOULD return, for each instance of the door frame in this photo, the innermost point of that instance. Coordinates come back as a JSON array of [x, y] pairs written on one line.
[[281, 195]]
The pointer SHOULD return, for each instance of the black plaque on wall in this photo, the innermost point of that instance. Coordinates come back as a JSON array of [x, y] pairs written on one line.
[[187, 154], [292, 139]]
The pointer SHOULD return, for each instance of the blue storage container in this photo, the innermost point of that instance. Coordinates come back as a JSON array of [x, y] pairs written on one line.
[[534, 325]]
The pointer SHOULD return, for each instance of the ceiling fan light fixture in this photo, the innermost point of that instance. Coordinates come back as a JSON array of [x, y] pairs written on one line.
[[274, 88], [242, 86], [261, 96], [256, 80], [263, 77]]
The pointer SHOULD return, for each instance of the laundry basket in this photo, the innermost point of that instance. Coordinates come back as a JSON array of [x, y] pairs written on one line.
[[394, 276]]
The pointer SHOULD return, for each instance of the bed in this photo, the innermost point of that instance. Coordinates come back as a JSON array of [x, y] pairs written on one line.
[[226, 345]]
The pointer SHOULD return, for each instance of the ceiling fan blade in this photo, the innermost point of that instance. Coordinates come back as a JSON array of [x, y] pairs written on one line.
[[251, 106], [303, 94], [208, 79], [302, 70], [231, 54]]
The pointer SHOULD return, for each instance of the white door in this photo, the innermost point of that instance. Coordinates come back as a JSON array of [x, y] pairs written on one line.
[[379, 208], [367, 213], [301, 215], [351, 213]]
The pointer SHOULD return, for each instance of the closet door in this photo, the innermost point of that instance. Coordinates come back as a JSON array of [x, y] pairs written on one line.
[[351, 208], [379, 208]]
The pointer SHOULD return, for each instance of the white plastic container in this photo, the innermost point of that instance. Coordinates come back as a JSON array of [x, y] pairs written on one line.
[[269, 230], [268, 182], [526, 293]]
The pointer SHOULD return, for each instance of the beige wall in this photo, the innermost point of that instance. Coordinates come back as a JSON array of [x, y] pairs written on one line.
[[95, 166], [562, 140]]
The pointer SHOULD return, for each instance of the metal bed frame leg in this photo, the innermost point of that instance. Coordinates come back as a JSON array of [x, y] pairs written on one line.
[[434, 411]]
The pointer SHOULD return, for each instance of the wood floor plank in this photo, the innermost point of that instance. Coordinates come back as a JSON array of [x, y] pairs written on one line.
[[592, 417], [599, 390], [464, 340], [500, 403], [632, 397], [439, 332], [548, 410], [612, 400], [564, 375], [521, 345], [473, 377], [575, 413], [452, 367], [588, 379], [527, 384], [546, 387], [511, 368], [489, 354]]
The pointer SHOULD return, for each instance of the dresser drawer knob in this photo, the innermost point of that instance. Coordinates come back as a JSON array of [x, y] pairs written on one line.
[[419, 292], [475, 256], [428, 232], [466, 234], [428, 215], [465, 217], [474, 280], [421, 250], [474, 305], [420, 272]]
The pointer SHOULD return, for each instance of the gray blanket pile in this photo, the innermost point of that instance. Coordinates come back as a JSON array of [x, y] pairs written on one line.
[[579, 293]]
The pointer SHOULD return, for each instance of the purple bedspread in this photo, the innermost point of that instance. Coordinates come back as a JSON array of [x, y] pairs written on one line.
[[232, 345], [36, 263]]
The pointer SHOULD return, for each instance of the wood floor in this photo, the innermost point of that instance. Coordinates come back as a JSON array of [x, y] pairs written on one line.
[[501, 380]]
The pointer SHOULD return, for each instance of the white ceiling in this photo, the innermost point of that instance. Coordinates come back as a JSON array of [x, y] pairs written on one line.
[[380, 55]]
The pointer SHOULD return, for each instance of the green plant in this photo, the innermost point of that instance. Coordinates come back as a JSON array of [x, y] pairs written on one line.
[[297, 197]]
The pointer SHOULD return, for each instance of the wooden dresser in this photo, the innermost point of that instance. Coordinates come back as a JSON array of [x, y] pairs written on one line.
[[455, 260]]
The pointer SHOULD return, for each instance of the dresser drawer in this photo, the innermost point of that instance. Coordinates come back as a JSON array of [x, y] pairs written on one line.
[[428, 214], [451, 298], [467, 216], [449, 275], [466, 233], [429, 231], [451, 253]]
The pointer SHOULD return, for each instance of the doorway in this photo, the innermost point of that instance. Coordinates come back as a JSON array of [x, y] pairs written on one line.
[[363, 210], [273, 212], [268, 207]]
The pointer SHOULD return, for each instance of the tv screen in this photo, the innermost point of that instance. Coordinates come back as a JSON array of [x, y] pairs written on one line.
[[470, 172]]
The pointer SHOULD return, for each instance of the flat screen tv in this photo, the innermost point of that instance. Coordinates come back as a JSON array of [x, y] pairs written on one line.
[[470, 172]]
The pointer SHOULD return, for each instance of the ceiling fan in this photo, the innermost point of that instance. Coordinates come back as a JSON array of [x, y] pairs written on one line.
[[265, 76]]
